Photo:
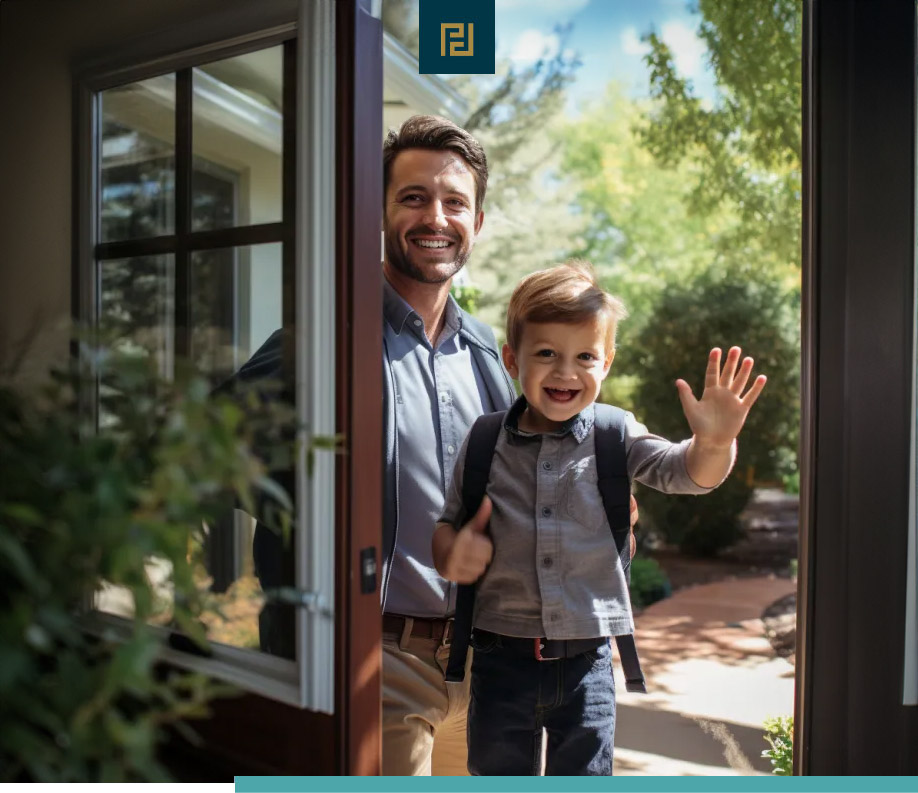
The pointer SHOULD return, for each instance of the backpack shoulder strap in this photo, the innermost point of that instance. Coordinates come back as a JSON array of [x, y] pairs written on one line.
[[475, 472], [612, 470], [615, 489], [478, 455]]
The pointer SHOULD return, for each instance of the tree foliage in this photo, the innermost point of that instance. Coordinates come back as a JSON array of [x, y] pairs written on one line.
[[745, 146], [641, 233], [526, 225]]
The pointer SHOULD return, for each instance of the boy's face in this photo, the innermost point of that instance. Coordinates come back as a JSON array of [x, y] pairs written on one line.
[[560, 368]]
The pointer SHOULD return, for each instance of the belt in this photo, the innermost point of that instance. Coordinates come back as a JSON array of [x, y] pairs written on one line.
[[440, 630], [543, 649]]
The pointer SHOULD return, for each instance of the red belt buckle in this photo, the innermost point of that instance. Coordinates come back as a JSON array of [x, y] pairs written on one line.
[[538, 650]]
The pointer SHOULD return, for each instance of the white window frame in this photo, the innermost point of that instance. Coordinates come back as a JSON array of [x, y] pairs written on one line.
[[309, 681]]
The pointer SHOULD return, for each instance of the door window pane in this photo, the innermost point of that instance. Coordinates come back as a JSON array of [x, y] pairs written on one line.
[[136, 307], [238, 129], [236, 304], [137, 156]]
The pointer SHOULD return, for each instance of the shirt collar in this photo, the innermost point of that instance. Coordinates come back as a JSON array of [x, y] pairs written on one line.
[[397, 312], [579, 426]]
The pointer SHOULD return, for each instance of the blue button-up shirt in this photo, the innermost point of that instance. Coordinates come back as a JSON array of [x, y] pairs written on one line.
[[439, 392]]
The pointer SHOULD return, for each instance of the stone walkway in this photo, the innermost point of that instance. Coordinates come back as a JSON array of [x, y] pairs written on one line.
[[712, 679]]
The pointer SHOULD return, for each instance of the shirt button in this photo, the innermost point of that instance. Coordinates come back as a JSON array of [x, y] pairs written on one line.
[[444, 397], [546, 562], [553, 616], [417, 323], [546, 465], [451, 448], [546, 512]]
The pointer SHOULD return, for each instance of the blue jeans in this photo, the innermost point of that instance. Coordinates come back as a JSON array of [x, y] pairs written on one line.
[[514, 696]]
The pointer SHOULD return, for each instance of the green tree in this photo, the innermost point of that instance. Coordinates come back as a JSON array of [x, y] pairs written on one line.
[[641, 233], [745, 146], [718, 308], [528, 225]]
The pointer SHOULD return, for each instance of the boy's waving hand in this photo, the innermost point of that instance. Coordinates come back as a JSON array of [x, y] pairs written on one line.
[[719, 415]]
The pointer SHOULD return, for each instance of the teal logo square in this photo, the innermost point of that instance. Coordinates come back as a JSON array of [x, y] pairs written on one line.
[[456, 37]]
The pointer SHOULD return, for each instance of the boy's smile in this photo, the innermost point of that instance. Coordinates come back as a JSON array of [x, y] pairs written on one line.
[[560, 367]]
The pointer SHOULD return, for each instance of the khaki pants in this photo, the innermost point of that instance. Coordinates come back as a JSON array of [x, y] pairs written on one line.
[[423, 716]]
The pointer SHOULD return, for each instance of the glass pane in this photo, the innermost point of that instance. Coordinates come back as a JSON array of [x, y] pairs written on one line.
[[136, 307], [236, 308], [137, 157], [236, 313], [238, 140], [236, 304]]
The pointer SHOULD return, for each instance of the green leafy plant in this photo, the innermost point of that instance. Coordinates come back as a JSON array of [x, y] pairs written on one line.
[[125, 506], [648, 582], [780, 738]]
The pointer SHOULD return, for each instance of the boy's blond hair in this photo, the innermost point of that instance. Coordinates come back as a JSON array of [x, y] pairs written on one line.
[[567, 293]]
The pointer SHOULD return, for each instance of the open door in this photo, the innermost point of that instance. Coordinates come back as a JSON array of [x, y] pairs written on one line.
[[227, 210]]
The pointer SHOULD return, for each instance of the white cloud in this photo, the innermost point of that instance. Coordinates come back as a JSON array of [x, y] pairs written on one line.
[[688, 50], [567, 7], [532, 44], [632, 44]]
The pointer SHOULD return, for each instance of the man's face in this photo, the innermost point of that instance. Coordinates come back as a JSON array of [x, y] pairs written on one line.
[[430, 220], [560, 368]]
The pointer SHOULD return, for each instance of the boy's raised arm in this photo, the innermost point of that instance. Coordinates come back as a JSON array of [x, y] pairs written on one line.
[[719, 415]]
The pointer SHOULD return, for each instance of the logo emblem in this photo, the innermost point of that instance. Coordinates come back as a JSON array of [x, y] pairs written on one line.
[[454, 32], [456, 38]]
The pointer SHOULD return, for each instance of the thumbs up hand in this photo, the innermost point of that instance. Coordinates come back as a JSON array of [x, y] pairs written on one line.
[[471, 549]]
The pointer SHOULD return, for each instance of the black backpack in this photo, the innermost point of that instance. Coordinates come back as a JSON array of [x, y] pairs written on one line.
[[615, 488]]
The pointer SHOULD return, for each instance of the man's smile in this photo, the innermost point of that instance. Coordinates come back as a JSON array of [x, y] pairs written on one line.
[[432, 244]]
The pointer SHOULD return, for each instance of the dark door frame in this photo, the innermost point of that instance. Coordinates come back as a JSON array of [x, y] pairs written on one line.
[[858, 313], [359, 96]]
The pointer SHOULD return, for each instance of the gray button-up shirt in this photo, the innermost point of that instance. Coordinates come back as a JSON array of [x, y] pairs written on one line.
[[555, 570], [439, 393]]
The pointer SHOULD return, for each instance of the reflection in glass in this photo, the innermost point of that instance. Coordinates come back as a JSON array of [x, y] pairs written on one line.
[[236, 313], [237, 136], [136, 303], [137, 157], [236, 304]]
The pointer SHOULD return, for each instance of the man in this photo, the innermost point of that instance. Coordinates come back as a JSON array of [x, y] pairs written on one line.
[[441, 371]]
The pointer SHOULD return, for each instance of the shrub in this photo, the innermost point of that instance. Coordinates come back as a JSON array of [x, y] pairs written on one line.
[[648, 582], [780, 737], [718, 308], [78, 507], [699, 525]]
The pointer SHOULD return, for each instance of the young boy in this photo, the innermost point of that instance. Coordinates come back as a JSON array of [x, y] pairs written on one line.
[[553, 572]]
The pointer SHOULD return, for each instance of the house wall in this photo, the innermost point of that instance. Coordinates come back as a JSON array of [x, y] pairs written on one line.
[[39, 44]]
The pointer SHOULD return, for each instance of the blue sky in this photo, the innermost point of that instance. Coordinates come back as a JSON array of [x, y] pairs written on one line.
[[607, 36]]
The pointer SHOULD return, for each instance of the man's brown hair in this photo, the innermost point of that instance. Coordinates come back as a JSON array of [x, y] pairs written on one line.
[[567, 293], [437, 134]]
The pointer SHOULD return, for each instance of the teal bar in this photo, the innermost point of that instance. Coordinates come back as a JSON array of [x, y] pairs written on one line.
[[321, 784]]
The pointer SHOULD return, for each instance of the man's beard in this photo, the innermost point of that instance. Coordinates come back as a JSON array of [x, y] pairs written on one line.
[[401, 261]]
